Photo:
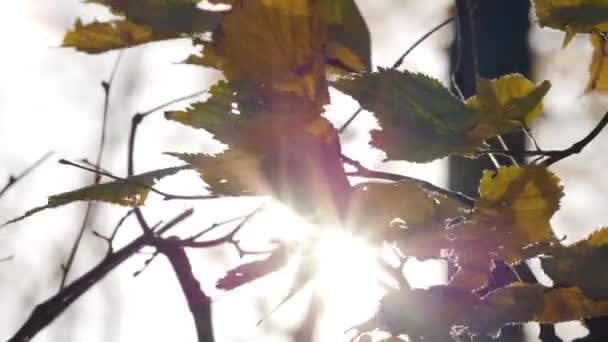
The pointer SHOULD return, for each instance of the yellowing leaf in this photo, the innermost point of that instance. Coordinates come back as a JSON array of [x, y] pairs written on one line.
[[285, 44], [580, 16], [582, 265], [520, 200], [598, 70], [233, 172], [506, 104], [214, 114], [421, 120], [99, 37], [131, 192], [278, 43]]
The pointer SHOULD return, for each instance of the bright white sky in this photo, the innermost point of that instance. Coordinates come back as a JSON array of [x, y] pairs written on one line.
[[51, 99]]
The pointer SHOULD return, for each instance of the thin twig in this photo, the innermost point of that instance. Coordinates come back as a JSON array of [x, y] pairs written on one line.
[[397, 64], [226, 239], [362, 171], [110, 240], [399, 61], [7, 258], [177, 100], [579, 145], [107, 87], [12, 180]]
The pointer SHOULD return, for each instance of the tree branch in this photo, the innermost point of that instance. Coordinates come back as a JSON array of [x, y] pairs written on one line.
[[362, 171], [106, 86], [12, 180], [46, 312], [579, 145], [198, 302]]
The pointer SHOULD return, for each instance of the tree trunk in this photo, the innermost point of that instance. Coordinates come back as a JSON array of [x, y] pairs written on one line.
[[491, 41]]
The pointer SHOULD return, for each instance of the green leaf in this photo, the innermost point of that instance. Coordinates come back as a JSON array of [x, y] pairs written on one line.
[[421, 120], [583, 265], [216, 114], [131, 192], [99, 37], [506, 104]]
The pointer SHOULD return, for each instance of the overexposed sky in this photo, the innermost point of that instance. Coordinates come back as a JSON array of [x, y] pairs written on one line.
[[51, 99]]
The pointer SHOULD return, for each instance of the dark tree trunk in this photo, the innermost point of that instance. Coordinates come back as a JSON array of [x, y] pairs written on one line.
[[492, 41]]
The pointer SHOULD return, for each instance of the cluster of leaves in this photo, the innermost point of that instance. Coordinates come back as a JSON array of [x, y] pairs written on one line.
[[276, 56]]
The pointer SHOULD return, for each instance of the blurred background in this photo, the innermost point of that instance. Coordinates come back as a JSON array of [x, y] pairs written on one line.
[[51, 99]]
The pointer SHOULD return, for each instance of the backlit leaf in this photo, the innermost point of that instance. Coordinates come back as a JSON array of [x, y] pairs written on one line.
[[582, 265], [404, 213], [131, 192], [506, 104], [519, 202], [272, 42], [99, 37], [421, 120], [598, 70], [233, 172], [580, 16], [285, 45], [215, 114], [440, 313]]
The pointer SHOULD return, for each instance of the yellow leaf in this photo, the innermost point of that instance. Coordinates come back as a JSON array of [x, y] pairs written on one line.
[[518, 202], [286, 44], [99, 37], [273, 42], [505, 104], [598, 70]]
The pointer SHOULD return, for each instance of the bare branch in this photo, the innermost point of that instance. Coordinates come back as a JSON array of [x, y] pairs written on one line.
[[362, 171], [12, 180], [107, 87], [46, 312], [579, 145]]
